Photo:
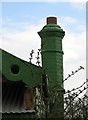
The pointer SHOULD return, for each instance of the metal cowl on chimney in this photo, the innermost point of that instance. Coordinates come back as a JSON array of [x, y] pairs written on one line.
[[52, 62]]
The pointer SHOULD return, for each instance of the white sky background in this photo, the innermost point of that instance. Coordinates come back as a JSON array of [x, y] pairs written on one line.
[[20, 43]]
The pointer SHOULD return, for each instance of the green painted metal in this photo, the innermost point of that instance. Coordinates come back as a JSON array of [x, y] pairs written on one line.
[[15, 69], [19, 116], [52, 62]]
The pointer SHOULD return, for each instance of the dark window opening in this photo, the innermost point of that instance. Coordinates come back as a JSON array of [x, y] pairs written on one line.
[[15, 69], [13, 96]]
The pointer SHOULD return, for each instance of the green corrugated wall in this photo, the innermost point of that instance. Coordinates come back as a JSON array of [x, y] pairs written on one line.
[[52, 62]]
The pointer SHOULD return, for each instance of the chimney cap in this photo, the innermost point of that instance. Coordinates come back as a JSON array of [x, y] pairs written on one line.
[[51, 20]]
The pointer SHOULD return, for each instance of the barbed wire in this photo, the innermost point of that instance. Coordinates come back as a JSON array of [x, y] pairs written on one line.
[[73, 73], [68, 91], [31, 56], [38, 57], [71, 95], [76, 95], [77, 104]]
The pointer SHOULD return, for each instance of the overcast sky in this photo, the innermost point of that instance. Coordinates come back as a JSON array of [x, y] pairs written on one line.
[[22, 20]]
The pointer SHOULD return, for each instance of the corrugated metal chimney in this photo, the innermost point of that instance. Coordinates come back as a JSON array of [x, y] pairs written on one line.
[[52, 62]]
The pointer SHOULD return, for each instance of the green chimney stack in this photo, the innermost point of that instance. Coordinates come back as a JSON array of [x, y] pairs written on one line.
[[52, 63]]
